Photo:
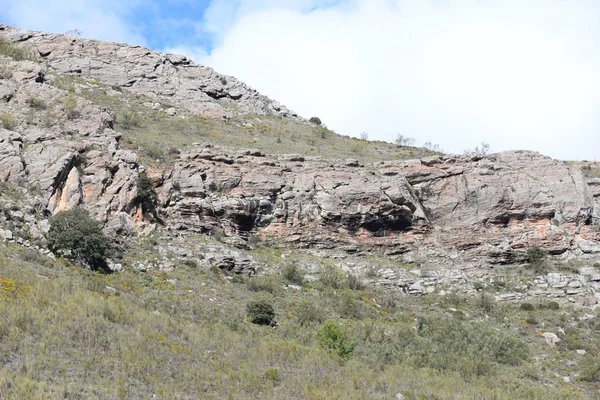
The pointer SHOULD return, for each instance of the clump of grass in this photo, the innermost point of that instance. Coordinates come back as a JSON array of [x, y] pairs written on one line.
[[128, 119], [5, 72], [8, 121], [70, 106], [36, 103]]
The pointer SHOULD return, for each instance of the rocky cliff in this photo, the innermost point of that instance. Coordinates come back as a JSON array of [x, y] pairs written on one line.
[[459, 214]]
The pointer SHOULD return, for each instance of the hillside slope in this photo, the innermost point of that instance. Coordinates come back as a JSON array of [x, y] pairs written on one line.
[[404, 246]]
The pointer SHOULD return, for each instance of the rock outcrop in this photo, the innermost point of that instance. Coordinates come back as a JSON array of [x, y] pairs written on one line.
[[453, 214], [162, 77]]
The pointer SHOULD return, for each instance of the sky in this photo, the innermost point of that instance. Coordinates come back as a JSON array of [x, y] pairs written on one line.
[[514, 74]]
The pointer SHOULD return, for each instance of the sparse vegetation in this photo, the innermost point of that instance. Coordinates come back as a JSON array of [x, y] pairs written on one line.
[[70, 106], [16, 53], [5, 71]]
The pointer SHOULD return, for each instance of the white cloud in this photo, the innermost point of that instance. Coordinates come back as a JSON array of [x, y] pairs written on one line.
[[98, 19], [512, 73]]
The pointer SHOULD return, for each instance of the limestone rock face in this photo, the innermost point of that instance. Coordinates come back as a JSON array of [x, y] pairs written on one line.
[[242, 193], [446, 211], [168, 77]]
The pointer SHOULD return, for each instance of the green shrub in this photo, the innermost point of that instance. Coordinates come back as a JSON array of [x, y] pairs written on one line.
[[354, 282], [36, 103], [272, 375], [260, 312], [128, 119], [307, 313], [527, 307], [552, 305], [292, 274], [331, 276], [315, 120], [75, 235], [331, 337], [589, 368], [146, 195], [8, 121], [485, 303], [535, 255], [349, 304]]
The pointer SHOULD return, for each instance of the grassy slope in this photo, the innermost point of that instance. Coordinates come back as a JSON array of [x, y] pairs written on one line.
[[154, 133], [70, 333]]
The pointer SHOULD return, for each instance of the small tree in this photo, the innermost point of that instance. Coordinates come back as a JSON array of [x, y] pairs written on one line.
[[146, 195], [75, 235]]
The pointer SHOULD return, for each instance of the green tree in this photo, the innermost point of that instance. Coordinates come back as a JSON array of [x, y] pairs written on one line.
[[75, 235]]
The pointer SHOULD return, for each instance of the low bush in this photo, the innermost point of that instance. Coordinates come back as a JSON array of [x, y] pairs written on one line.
[[332, 277], [70, 106], [263, 284], [260, 312], [527, 307], [293, 274], [128, 119], [535, 255], [307, 313], [36, 103]]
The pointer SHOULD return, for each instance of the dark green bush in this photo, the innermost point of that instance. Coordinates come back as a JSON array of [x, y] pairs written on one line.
[[260, 312], [331, 337], [75, 235], [315, 120], [553, 305], [527, 307], [535, 255]]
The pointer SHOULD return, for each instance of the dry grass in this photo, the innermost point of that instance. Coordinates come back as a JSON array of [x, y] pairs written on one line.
[[71, 333]]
